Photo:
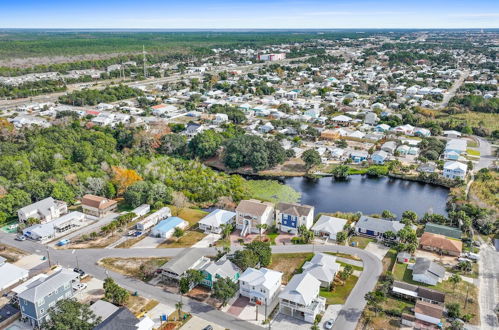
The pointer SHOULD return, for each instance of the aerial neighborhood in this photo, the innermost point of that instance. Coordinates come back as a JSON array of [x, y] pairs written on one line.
[[336, 180]]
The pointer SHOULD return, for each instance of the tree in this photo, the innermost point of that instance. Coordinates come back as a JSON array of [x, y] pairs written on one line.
[[389, 235], [387, 214], [262, 250], [465, 266], [227, 229], [374, 300], [71, 314], [178, 232], [178, 306], [179, 201], [410, 215], [261, 227], [192, 278], [311, 158], [205, 144], [124, 178], [453, 310], [455, 279], [306, 235], [341, 171], [115, 293], [63, 192], [224, 289], [341, 237], [173, 144], [245, 259], [346, 272]]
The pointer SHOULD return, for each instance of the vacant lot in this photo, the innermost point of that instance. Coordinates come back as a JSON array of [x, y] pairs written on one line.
[[192, 216], [139, 305], [289, 264], [11, 253], [135, 267], [273, 191], [190, 238]]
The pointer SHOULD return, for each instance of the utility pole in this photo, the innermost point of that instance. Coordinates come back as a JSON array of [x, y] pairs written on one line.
[[144, 60], [48, 257]]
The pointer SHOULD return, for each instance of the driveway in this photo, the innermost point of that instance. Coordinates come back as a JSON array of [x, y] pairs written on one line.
[[207, 241], [331, 313], [148, 242], [197, 323], [379, 250], [285, 322]]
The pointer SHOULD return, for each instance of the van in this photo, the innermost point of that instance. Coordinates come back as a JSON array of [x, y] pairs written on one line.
[[473, 256]]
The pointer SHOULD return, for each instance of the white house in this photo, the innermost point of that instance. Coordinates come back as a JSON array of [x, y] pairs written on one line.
[[260, 285], [213, 222], [453, 170], [328, 226], [323, 267], [152, 219], [11, 274], [342, 120], [427, 271], [47, 231], [45, 210], [251, 213], [290, 216], [300, 298], [428, 312]]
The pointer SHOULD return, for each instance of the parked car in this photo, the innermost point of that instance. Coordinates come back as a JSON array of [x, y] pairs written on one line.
[[461, 259], [208, 327], [80, 286], [473, 256], [329, 324], [20, 238], [63, 242], [79, 271]]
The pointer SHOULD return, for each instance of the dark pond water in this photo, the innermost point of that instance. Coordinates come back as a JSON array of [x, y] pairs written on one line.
[[370, 195]]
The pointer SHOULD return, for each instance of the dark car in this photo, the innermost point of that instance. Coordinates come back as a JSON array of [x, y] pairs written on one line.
[[79, 271], [208, 327]]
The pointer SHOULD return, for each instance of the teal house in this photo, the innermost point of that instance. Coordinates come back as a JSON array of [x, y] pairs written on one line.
[[222, 268]]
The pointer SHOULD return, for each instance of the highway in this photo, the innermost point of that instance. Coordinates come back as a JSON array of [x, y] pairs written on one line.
[[87, 260]]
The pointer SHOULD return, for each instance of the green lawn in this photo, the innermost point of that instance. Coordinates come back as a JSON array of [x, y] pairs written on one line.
[[289, 263], [272, 191], [401, 273], [340, 293], [353, 266], [361, 242], [473, 152], [192, 216]]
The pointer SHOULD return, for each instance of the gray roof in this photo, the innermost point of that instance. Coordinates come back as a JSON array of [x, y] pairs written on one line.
[[426, 266], [295, 209], [122, 319], [185, 260], [379, 225], [10, 274], [330, 225], [301, 289], [42, 207], [40, 289], [103, 309], [223, 268]]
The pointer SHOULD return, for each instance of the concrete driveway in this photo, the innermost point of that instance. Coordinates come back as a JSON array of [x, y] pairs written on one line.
[[148, 242], [379, 250], [207, 241], [197, 323], [331, 313], [285, 322]]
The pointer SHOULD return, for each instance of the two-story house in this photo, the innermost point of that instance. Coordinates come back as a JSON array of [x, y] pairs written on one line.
[[98, 206], [252, 213], [222, 268], [260, 285], [290, 216], [45, 210], [453, 170], [323, 267], [300, 298], [41, 295]]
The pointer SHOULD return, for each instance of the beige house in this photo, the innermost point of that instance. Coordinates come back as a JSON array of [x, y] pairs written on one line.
[[251, 213], [97, 206]]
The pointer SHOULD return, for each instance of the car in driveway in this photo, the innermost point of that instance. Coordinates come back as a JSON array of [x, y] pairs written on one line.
[[20, 238], [80, 286], [80, 272], [328, 324]]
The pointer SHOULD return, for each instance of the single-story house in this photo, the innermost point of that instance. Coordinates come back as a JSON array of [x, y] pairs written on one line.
[[213, 222], [166, 228], [327, 226], [11, 274], [46, 231], [323, 267], [186, 259], [222, 268], [389, 146], [435, 228], [416, 292], [359, 156], [428, 312], [427, 271], [376, 227], [379, 157], [441, 244]]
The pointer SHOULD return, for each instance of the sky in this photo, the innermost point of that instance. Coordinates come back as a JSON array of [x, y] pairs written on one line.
[[248, 14]]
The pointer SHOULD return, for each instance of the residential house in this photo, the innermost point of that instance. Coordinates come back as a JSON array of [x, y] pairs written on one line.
[[45, 210], [166, 228], [422, 132], [342, 120], [152, 219], [371, 118], [404, 129], [379, 157], [11, 274], [382, 128], [389, 146], [290, 216], [427, 168], [455, 170], [358, 156], [214, 222], [376, 227], [47, 231], [193, 129], [222, 268], [176, 268], [415, 292], [98, 206], [260, 285], [327, 226], [435, 228], [43, 294], [441, 244], [103, 309], [220, 118], [252, 213], [429, 313], [124, 319], [323, 267], [456, 145], [427, 271], [300, 298]]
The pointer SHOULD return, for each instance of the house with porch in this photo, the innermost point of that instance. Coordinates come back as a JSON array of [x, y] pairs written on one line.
[[44, 210], [427, 271], [176, 268], [376, 227], [300, 298], [455, 170], [290, 216], [252, 213], [222, 268], [214, 222], [327, 226], [260, 285]]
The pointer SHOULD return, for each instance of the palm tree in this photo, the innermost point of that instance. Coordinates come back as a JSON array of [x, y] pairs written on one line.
[[179, 306], [260, 227], [455, 279]]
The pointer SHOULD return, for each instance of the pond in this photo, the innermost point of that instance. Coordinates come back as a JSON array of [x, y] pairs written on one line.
[[370, 195]]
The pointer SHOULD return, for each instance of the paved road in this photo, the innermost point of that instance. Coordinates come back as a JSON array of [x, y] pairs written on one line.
[[486, 155], [452, 91], [87, 258], [488, 286]]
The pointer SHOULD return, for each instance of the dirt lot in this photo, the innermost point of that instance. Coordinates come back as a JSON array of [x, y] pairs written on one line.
[[100, 242], [204, 295], [11, 253], [289, 264], [190, 238], [132, 266], [447, 261]]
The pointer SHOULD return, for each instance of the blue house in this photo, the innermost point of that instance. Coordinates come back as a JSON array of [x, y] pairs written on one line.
[[165, 228], [291, 216], [43, 294], [359, 156], [379, 157], [382, 128], [215, 270]]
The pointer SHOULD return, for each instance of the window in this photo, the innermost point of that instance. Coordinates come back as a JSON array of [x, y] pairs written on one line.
[[42, 310], [52, 304], [40, 302]]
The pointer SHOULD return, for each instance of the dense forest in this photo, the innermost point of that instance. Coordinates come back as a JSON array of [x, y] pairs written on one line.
[[66, 162]]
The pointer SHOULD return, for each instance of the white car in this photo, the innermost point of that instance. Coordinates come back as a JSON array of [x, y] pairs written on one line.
[[329, 324], [80, 286]]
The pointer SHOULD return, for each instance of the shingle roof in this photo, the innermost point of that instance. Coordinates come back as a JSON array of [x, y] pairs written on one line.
[[43, 206], [295, 209], [441, 242], [183, 261], [443, 230], [431, 294], [97, 201], [223, 268], [425, 266], [301, 289], [41, 289], [329, 224], [379, 225], [122, 319], [253, 206], [429, 309]]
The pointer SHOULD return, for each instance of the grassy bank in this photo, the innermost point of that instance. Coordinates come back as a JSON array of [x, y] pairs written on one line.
[[272, 191]]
